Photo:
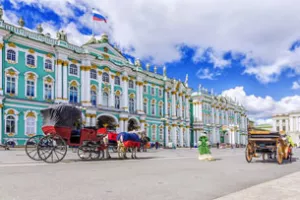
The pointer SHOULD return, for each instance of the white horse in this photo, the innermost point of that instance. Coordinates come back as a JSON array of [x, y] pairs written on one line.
[[122, 149]]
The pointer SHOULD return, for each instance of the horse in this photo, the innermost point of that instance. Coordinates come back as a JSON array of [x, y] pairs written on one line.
[[132, 143]]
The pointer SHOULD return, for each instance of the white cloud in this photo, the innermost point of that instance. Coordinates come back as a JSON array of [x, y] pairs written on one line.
[[296, 85], [263, 107], [263, 31], [214, 57], [204, 73]]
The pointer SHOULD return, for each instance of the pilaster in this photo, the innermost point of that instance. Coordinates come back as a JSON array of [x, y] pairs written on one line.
[[125, 91], [112, 91], [65, 81], [99, 77], [1, 73]]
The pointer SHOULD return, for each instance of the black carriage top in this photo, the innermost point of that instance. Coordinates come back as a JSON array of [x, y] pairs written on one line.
[[61, 115]]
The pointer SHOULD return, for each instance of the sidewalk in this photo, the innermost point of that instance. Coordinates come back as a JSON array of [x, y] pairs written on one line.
[[286, 188]]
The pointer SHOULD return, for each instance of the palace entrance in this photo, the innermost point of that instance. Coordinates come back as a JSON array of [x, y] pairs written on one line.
[[107, 121], [133, 124]]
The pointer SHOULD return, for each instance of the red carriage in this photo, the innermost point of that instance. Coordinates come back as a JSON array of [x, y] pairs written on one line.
[[62, 128]]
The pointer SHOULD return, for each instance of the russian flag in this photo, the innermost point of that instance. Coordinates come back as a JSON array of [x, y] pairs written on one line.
[[98, 17]]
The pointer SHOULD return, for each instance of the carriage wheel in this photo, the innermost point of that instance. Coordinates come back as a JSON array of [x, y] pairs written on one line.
[[84, 152], [114, 149], [249, 153], [279, 154], [95, 154], [52, 148], [31, 147]]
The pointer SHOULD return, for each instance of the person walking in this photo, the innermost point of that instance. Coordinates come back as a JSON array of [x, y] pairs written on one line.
[[156, 145]]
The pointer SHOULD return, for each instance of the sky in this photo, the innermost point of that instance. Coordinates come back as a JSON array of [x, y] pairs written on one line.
[[248, 50]]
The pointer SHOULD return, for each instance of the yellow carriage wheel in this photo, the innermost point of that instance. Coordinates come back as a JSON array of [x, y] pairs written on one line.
[[249, 153]]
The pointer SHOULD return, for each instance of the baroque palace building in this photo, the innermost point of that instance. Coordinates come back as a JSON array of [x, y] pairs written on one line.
[[288, 123], [38, 71]]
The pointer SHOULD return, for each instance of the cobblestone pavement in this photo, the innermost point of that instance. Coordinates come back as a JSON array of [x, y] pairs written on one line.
[[157, 174]]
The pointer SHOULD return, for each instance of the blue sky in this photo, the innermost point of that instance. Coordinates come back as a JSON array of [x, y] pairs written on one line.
[[246, 50]]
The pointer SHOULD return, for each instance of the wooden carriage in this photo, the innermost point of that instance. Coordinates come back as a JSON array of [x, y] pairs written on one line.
[[268, 145]]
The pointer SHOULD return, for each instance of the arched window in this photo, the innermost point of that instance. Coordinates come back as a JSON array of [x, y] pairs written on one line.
[[131, 84], [169, 135], [117, 102], [93, 74], [105, 77], [153, 135], [153, 108], [73, 69], [48, 91], [30, 125], [131, 105], [105, 99], [48, 64], [11, 55], [93, 97], [145, 106], [30, 88], [161, 133], [73, 94], [10, 85], [160, 110], [30, 60], [10, 124], [117, 80], [169, 109], [152, 91]]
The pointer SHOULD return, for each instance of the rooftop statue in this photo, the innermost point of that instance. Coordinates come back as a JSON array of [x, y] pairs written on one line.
[[62, 36], [165, 71], [186, 79]]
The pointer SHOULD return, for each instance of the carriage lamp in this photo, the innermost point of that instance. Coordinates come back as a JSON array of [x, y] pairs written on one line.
[[105, 125]]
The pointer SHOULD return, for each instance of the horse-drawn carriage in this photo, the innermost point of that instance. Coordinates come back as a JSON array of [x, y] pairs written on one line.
[[62, 128], [269, 145]]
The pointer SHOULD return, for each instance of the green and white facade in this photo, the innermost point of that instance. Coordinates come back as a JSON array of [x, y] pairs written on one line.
[[38, 71]]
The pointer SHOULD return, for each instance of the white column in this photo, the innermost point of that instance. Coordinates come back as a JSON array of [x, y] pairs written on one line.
[[138, 97], [112, 92], [187, 107], [166, 135], [93, 120], [59, 80], [100, 88], [141, 97], [166, 103], [174, 136], [126, 125], [173, 104], [280, 125], [200, 111], [1, 71], [121, 124], [1, 133], [180, 105], [88, 87], [188, 136], [181, 136], [88, 120], [233, 137], [291, 124], [65, 81], [83, 84], [125, 91]]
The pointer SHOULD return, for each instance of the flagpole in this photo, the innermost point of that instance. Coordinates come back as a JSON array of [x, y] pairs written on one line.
[[93, 26]]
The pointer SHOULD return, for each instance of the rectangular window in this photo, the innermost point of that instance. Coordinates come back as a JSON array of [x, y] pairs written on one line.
[[48, 92], [152, 91], [11, 85], [145, 107], [30, 89], [160, 110], [168, 94], [277, 128], [160, 92], [145, 89], [283, 128], [161, 133], [153, 109]]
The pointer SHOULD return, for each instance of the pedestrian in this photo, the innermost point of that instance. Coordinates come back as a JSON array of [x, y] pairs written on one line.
[[156, 145], [218, 145]]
